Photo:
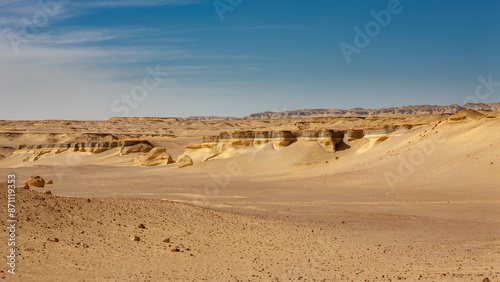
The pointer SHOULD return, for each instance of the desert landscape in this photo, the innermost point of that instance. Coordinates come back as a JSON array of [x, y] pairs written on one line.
[[407, 193], [236, 140]]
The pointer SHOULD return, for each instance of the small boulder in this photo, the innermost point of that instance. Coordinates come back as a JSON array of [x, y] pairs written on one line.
[[157, 156], [184, 161], [138, 148], [135, 238], [36, 181], [49, 182], [47, 192], [141, 226], [166, 240]]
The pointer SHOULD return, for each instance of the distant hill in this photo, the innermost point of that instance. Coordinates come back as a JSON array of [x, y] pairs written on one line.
[[360, 112], [196, 118]]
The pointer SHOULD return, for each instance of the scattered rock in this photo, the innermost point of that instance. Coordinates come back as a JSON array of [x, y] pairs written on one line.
[[184, 161], [88, 200], [36, 181], [50, 182], [180, 248], [486, 279], [47, 192], [135, 238], [142, 226], [342, 222], [157, 156], [55, 240], [166, 240], [26, 186]]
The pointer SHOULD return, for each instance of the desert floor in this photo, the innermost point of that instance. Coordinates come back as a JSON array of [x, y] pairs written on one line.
[[299, 213]]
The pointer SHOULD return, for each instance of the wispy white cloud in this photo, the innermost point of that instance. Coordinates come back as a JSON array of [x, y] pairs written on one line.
[[76, 36], [133, 3], [226, 28], [14, 13], [98, 64]]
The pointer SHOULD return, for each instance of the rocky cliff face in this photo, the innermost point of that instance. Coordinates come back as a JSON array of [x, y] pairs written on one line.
[[379, 130], [206, 118], [229, 144], [360, 112], [35, 152]]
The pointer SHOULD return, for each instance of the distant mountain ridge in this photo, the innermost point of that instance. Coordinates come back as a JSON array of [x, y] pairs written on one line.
[[360, 112]]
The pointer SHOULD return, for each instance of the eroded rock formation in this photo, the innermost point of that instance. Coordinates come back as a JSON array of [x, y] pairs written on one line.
[[229, 144], [379, 130], [184, 161], [157, 156], [35, 152]]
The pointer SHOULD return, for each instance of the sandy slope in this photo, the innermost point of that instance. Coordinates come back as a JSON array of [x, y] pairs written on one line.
[[424, 203]]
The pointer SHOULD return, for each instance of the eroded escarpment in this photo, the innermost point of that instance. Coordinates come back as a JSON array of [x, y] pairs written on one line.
[[229, 144], [35, 152], [374, 131], [222, 146]]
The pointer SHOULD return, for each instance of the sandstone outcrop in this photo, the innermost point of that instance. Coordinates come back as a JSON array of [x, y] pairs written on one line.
[[327, 139], [157, 156], [184, 161], [353, 134], [143, 147], [35, 181], [376, 134], [229, 144], [379, 130], [35, 152]]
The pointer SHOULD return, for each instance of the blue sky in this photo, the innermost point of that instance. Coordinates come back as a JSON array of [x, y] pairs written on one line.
[[84, 57]]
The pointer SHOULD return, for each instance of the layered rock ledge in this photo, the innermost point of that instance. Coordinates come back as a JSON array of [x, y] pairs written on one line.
[[379, 130], [229, 144], [94, 147]]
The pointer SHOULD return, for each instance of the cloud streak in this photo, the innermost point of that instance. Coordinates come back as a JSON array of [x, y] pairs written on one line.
[[134, 3]]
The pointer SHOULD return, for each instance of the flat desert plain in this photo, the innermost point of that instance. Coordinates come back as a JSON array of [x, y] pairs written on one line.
[[381, 198]]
